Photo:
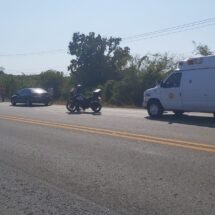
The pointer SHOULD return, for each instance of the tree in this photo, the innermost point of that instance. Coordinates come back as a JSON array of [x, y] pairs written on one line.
[[96, 59], [2, 70], [142, 73], [201, 49], [155, 67], [52, 79]]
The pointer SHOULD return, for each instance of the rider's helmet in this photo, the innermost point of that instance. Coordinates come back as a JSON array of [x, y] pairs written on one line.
[[78, 88]]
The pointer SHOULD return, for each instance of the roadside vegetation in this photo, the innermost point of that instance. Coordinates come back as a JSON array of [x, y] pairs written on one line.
[[102, 62]]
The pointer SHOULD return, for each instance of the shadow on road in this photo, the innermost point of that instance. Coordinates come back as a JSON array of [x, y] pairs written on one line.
[[203, 121], [32, 106], [85, 112]]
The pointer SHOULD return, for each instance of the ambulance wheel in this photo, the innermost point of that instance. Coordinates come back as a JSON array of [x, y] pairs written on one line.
[[154, 109]]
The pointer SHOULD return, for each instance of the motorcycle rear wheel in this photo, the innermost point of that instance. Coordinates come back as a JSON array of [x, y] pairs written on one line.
[[96, 107], [71, 106]]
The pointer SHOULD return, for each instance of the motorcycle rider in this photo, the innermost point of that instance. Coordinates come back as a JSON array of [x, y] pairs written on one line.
[[77, 101], [77, 94]]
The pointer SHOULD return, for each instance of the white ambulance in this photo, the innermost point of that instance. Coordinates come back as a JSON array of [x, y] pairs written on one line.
[[191, 88]]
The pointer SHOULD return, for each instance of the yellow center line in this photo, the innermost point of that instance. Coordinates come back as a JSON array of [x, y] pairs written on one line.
[[119, 134]]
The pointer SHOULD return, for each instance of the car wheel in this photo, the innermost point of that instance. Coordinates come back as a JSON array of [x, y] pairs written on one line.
[[13, 102], [154, 109], [46, 103]]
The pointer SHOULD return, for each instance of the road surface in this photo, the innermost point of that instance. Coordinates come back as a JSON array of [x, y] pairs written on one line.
[[116, 162]]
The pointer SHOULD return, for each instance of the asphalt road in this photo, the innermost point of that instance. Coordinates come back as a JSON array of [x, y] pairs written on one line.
[[116, 162]]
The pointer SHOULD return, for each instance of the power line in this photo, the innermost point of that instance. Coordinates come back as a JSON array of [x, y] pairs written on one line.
[[188, 25], [167, 33], [135, 38]]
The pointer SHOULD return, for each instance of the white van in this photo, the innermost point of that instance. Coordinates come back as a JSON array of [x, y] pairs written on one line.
[[191, 88]]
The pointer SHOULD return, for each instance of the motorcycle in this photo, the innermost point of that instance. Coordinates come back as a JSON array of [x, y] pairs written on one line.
[[78, 102]]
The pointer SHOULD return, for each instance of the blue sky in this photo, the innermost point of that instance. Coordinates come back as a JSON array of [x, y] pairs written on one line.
[[33, 26]]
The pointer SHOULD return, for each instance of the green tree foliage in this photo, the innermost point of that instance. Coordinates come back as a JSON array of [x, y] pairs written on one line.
[[155, 67], [12, 82], [96, 59], [201, 49], [126, 91], [52, 79], [2, 70], [142, 74]]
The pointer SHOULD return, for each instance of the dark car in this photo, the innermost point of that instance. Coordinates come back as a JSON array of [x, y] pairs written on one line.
[[31, 95]]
